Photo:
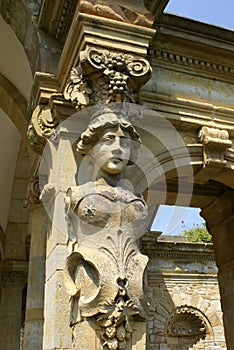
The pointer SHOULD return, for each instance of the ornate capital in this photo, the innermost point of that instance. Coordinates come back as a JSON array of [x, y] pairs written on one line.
[[215, 142], [41, 127], [106, 76]]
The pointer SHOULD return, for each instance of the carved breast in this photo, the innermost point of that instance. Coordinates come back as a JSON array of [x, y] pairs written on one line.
[[110, 207]]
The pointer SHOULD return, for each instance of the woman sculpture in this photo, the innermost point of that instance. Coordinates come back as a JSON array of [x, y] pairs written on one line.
[[104, 269]]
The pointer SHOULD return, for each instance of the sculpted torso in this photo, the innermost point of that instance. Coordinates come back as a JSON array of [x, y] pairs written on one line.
[[104, 270]]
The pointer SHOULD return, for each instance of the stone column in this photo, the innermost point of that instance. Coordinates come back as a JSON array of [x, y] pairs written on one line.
[[219, 216], [11, 309], [34, 318]]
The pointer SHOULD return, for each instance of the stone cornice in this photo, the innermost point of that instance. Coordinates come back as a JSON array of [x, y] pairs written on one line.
[[178, 256], [195, 31], [156, 7], [155, 254], [174, 59], [183, 277], [56, 17], [175, 250]]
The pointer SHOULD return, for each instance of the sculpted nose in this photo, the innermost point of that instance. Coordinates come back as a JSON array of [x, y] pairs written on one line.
[[117, 145]]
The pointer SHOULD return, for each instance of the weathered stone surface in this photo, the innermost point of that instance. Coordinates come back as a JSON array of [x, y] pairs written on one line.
[[104, 270], [181, 300]]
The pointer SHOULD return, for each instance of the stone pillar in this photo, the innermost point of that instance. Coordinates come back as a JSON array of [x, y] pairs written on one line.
[[219, 216], [34, 318], [11, 309]]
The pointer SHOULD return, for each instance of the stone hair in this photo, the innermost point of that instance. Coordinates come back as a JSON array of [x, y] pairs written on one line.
[[99, 123]]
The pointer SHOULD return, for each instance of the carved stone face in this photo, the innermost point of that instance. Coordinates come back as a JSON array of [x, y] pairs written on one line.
[[112, 152]]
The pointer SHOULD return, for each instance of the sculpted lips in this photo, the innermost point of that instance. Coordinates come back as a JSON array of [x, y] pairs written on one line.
[[116, 159]]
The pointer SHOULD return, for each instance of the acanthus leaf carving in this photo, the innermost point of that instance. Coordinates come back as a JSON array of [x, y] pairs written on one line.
[[106, 76]]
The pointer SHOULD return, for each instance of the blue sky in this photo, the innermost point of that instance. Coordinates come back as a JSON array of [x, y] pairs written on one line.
[[173, 220], [215, 12], [169, 219]]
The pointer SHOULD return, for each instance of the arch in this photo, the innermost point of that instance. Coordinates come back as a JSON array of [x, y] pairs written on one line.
[[42, 50], [13, 104], [20, 19]]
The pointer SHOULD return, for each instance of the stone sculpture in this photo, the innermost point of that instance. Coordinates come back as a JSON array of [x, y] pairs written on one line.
[[104, 269]]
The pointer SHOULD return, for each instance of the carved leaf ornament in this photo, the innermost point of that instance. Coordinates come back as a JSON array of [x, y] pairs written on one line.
[[118, 75]]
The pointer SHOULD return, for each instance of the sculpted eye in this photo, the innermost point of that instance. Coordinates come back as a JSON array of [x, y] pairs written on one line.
[[108, 138], [125, 143]]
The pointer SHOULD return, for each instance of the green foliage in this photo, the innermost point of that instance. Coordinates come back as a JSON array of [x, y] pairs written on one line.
[[198, 234]]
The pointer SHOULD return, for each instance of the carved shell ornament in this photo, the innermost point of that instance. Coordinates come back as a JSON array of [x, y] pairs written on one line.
[[186, 321]]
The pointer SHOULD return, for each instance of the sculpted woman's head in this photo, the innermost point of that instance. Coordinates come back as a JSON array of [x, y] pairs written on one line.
[[111, 141]]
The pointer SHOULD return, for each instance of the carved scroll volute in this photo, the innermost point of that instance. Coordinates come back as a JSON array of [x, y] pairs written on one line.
[[106, 76], [215, 143], [41, 127]]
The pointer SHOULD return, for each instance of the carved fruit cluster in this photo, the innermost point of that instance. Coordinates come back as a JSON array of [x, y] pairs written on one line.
[[119, 74]]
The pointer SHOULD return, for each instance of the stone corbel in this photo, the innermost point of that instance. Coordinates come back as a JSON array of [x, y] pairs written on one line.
[[41, 127], [215, 143], [104, 76]]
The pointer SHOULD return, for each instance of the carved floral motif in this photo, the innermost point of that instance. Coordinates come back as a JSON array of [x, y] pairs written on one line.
[[104, 76]]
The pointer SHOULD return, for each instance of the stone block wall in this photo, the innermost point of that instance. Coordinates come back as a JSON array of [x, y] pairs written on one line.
[[183, 293]]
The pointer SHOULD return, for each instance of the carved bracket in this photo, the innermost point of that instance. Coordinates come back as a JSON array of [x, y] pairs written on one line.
[[106, 76], [41, 127], [215, 142]]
